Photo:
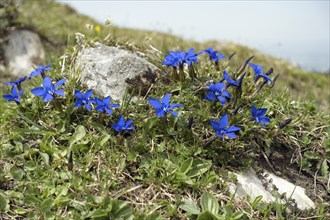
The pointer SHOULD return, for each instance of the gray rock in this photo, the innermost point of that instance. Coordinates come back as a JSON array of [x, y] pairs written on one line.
[[23, 51], [110, 70], [248, 183]]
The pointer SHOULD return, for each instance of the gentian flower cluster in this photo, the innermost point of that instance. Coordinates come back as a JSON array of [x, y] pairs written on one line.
[[84, 99], [258, 73], [177, 59], [214, 56], [163, 106], [48, 90], [231, 82], [217, 91], [16, 91], [17, 83], [122, 126], [14, 96], [220, 127], [40, 70], [258, 115], [104, 105]]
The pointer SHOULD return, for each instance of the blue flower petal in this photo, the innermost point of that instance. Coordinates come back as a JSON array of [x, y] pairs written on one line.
[[47, 97], [166, 99], [113, 105], [254, 111], [210, 96], [261, 111], [121, 121], [222, 100], [39, 91], [175, 114], [233, 129], [88, 93], [78, 94], [88, 107], [215, 125], [231, 135], [160, 112], [60, 82], [47, 83], [59, 92], [107, 100], [108, 111], [78, 104], [264, 120], [155, 103], [175, 106], [223, 122], [219, 86], [226, 94], [8, 97]]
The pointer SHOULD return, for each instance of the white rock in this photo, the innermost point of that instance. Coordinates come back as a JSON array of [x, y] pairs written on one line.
[[248, 183], [105, 69], [23, 51]]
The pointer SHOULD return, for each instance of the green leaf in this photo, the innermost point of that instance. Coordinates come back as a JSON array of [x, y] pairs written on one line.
[[190, 207], [20, 211], [104, 139], [325, 169], [312, 155], [17, 173], [79, 133], [206, 216], [209, 203], [237, 215], [46, 204], [121, 210], [186, 166], [45, 158], [99, 214], [199, 167], [256, 201], [3, 203]]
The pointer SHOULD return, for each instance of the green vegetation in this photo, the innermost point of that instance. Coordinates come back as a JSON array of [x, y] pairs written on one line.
[[164, 169]]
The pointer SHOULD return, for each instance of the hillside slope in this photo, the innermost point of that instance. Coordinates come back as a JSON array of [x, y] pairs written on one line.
[[57, 28], [60, 161]]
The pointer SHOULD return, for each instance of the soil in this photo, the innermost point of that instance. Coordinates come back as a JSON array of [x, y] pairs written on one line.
[[280, 160]]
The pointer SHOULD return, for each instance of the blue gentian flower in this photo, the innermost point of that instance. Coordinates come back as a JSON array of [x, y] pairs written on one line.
[[258, 73], [123, 126], [258, 115], [104, 105], [40, 70], [232, 82], [178, 58], [163, 106], [217, 91], [48, 90], [175, 58], [17, 83], [221, 127], [191, 57], [14, 96], [84, 99], [214, 55]]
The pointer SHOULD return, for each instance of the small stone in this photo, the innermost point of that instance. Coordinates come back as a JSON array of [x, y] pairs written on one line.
[[23, 51], [248, 183], [110, 71]]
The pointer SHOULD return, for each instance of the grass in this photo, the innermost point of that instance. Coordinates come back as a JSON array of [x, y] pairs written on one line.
[[165, 169]]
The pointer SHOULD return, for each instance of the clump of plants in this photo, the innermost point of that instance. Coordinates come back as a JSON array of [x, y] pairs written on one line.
[[176, 136]]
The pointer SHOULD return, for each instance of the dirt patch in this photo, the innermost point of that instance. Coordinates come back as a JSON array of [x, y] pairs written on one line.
[[280, 161]]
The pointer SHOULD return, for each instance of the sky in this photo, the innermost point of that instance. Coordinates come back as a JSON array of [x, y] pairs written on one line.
[[293, 30]]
